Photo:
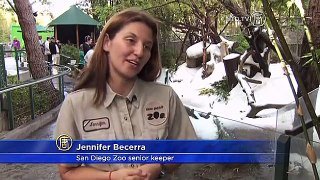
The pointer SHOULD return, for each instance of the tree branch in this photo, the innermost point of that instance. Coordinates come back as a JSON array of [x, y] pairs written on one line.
[[161, 5], [255, 109], [11, 5]]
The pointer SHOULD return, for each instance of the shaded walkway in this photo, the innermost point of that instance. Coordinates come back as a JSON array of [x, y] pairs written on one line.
[[32, 171]]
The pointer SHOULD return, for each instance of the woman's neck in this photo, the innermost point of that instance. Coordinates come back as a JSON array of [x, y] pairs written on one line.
[[121, 86]]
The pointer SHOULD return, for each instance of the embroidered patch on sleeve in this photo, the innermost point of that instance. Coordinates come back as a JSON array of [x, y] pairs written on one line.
[[96, 124]]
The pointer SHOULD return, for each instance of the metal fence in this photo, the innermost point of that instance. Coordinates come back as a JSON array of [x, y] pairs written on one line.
[[25, 101], [22, 101]]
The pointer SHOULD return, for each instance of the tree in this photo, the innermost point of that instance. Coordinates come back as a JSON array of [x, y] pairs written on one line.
[[89, 6], [38, 67], [4, 27], [314, 20], [197, 20], [36, 59], [236, 10], [309, 72]]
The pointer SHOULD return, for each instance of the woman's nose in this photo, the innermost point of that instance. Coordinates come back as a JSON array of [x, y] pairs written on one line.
[[138, 50]]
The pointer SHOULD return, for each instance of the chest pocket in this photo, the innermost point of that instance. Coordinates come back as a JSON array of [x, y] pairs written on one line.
[[152, 132], [98, 129]]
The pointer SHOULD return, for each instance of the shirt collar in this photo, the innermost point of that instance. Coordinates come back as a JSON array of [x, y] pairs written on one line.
[[134, 95], [109, 97]]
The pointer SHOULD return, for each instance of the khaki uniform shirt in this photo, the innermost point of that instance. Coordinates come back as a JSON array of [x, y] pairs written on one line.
[[151, 111]]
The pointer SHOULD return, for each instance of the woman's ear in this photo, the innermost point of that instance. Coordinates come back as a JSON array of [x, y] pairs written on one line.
[[106, 43]]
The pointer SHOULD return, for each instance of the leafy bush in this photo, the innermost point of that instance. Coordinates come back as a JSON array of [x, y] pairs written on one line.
[[70, 50], [167, 58], [242, 44], [223, 134], [5, 27], [21, 102], [12, 79], [219, 88]]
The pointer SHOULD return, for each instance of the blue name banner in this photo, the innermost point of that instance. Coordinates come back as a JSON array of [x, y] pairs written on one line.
[[66, 150]]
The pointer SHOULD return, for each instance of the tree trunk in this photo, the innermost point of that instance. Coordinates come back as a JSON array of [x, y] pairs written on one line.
[[235, 10], [309, 71], [255, 109], [314, 23], [36, 58]]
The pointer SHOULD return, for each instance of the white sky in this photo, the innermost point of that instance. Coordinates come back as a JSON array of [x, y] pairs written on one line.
[[60, 6], [57, 7]]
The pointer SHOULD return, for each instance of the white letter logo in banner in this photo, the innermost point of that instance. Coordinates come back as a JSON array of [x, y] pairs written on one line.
[[64, 142]]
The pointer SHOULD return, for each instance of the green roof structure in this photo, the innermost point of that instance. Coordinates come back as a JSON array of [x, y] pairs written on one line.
[[74, 16], [40, 29], [43, 31], [73, 26]]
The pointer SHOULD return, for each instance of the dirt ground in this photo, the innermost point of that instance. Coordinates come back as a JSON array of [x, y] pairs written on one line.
[[225, 172], [186, 172]]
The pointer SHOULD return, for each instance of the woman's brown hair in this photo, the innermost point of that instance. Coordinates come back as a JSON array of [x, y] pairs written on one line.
[[96, 75]]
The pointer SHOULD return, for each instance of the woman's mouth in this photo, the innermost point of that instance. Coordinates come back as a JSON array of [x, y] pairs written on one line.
[[134, 63]]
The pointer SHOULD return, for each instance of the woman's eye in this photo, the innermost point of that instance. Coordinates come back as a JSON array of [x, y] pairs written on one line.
[[130, 40], [148, 47]]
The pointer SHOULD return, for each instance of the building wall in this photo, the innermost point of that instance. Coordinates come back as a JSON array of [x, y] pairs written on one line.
[[16, 32]]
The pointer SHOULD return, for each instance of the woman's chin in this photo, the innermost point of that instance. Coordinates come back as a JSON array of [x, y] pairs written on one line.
[[130, 73], [130, 76]]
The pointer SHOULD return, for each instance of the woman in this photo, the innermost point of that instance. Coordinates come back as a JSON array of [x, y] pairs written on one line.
[[87, 57], [81, 59], [87, 44], [116, 98]]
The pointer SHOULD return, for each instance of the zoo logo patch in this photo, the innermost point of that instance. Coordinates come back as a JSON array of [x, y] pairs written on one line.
[[155, 113], [96, 124]]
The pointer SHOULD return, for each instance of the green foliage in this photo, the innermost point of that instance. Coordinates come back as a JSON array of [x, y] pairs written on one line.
[[12, 80], [280, 7], [223, 134], [167, 58], [21, 102], [42, 103], [242, 43], [71, 51], [168, 13], [219, 88], [105, 11], [293, 24], [4, 28], [310, 60]]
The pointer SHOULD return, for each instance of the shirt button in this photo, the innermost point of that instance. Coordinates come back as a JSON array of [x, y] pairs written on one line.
[[125, 118]]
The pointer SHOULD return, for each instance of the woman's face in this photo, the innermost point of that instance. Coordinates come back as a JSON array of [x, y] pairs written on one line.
[[129, 50]]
